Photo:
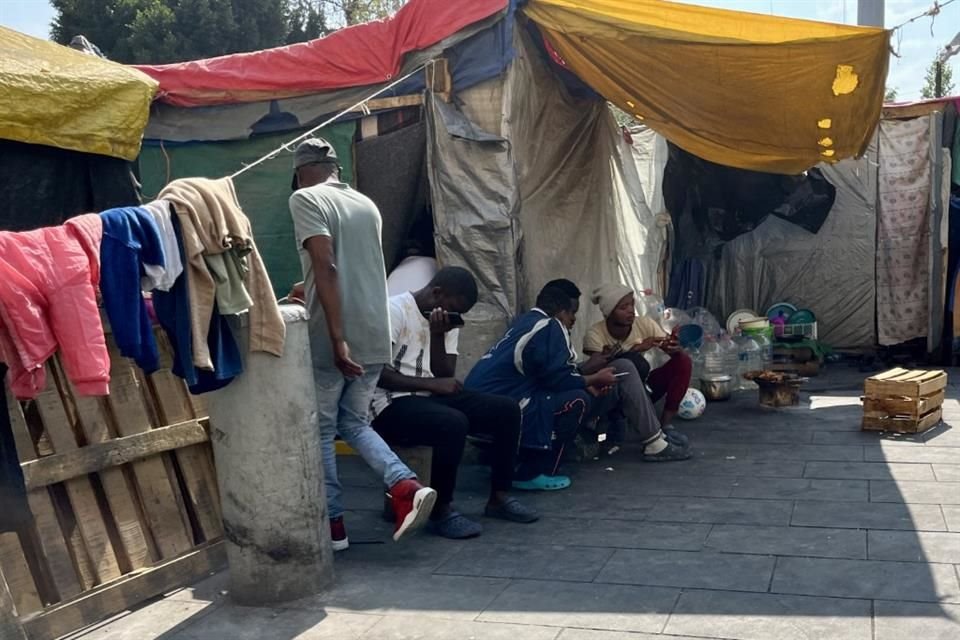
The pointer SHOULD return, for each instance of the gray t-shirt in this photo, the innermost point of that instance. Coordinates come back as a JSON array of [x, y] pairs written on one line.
[[353, 222]]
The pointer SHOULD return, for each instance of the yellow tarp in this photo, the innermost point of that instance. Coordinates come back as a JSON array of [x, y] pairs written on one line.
[[745, 90], [55, 96]]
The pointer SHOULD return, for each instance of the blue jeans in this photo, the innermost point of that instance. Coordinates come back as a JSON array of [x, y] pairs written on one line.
[[344, 408]]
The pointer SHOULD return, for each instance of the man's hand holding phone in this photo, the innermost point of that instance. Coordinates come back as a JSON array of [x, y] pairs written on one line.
[[442, 322]]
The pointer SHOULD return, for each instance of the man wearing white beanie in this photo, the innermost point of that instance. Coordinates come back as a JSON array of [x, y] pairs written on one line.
[[620, 340]]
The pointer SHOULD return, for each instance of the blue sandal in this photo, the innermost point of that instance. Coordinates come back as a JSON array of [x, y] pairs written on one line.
[[542, 483]]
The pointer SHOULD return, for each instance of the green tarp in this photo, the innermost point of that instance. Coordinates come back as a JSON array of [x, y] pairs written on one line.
[[263, 191]]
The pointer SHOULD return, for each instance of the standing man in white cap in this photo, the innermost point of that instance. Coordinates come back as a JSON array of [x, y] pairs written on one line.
[[338, 238]]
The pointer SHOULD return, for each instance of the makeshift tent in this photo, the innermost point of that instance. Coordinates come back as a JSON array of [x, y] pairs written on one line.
[[529, 176], [69, 124], [55, 96], [744, 90], [876, 272]]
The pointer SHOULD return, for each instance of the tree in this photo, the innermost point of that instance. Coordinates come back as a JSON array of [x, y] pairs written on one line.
[[890, 95], [946, 79], [160, 31]]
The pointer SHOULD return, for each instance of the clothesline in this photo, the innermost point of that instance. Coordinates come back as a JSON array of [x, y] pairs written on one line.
[[288, 146]]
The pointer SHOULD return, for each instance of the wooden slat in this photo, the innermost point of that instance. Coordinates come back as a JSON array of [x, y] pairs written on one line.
[[90, 520], [886, 375], [396, 102], [935, 381], [13, 565], [119, 492], [62, 570], [173, 403], [158, 493], [905, 383], [902, 406], [903, 425], [10, 628], [111, 453], [125, 593]]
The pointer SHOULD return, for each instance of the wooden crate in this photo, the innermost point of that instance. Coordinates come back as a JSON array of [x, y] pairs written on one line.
[[904, 401], [121, 493]]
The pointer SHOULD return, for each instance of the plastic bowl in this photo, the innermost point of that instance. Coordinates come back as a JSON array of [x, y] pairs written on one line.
[[690, 336]]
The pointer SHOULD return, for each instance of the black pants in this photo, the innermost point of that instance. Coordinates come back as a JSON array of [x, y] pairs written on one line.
[[572, 410], [443, 422]]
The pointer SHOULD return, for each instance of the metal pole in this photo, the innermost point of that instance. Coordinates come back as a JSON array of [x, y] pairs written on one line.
[[870, 13]]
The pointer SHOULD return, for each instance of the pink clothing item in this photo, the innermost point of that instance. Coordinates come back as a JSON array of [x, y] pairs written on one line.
[[48, 299]]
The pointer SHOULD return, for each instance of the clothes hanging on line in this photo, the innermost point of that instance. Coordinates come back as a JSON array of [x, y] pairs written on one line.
[[212, 224], [131, 240], [48, 280], [157, 277], [173, 313]]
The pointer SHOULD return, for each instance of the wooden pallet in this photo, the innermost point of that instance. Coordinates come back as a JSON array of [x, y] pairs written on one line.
[[121, 493], [904, 401]]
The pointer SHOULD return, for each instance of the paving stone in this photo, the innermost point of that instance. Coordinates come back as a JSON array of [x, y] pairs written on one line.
[[684, 569], [723, 511], [754, 616], [210, 589], [925, 454], [873, 579], [856, 515], [408, 628], [591, 606], [784, 452], [911, 546], [593, 634], [868, 471], [788, 541], [582, 504], [899, 620], [590, 532], [915, 492], [802, 489], [947, 472], [388, 591], [231, 622], [952, 516], [946, 434], [865, 438], [755, 436], [158, 619], [642, 483], [703, 466], [542, 562]]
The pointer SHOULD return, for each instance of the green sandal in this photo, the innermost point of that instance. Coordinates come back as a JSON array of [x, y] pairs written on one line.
[[542, 483]]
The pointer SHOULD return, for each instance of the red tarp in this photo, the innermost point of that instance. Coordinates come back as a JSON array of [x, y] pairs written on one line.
[[364, 54]]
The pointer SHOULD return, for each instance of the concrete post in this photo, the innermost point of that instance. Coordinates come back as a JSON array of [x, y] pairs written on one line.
[[269, 468]]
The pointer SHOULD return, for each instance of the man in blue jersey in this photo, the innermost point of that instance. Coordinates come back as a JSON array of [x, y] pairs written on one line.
[[535, 365]]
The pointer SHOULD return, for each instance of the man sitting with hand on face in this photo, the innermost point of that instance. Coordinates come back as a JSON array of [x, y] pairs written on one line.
[[624, 334], [420, 402]]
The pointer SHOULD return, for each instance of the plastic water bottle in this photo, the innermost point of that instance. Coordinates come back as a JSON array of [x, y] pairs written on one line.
[[713, 358], [696, 356], [651, 305], [766, 351], [748, 359], [731, 354]]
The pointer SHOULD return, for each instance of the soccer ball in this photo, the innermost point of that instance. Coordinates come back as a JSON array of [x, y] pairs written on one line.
[[692, 405]]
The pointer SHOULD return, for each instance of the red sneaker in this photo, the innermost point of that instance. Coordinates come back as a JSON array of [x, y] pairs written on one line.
[[338, 534], [412, 504]]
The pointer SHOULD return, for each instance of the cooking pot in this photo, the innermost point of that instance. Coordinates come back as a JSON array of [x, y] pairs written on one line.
[[716, 388]]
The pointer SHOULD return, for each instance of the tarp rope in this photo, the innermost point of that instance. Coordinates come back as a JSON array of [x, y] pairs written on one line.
[[288, 146]]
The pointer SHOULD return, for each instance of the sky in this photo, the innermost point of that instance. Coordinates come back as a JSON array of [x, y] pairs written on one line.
[[916, 43]]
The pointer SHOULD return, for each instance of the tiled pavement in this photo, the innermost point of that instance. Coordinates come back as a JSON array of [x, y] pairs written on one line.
[[788, 525]]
